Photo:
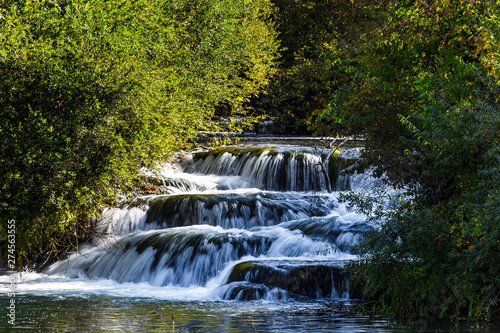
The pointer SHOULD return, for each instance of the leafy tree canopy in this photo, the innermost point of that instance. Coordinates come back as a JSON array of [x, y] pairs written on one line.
[[423, 91], [93, 89]]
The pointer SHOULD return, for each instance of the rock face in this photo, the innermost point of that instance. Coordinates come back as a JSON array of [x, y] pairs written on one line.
[[313, 280]]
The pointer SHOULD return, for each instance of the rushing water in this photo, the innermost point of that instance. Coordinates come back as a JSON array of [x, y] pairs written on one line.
[[242, 239]]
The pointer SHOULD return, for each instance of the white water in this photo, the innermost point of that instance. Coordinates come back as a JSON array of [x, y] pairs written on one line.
[[184, 245]]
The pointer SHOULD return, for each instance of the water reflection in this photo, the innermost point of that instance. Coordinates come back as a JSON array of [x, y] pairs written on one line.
[[93, 314]]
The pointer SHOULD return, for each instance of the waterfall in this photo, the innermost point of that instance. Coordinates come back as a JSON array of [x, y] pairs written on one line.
[[242, 222], [269, 168]]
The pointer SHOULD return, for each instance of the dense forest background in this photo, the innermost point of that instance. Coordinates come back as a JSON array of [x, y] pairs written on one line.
[[90, 91]]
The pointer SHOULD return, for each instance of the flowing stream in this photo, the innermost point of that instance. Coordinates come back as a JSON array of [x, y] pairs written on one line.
[[242, 238], [234, 223]]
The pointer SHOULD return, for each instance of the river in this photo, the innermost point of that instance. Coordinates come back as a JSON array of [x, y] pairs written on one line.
[[246, 238]]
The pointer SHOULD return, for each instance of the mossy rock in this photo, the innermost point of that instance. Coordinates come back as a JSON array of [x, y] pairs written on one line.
[[186, 209], [314, 280], [233, 150]]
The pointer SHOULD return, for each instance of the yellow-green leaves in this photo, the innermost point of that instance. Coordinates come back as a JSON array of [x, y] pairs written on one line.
[[92, 89]]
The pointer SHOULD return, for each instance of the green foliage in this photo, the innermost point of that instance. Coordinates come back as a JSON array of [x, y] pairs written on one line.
[[312, 35], [426, 101], [92, 90]]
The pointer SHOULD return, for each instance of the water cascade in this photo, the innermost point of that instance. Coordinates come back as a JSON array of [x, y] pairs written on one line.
[[238, 222]]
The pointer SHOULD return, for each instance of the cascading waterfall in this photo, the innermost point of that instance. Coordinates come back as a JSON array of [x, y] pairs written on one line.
[[242, 223], [269, 168]]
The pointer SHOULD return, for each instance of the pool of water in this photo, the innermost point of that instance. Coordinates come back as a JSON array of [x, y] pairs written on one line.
[[97, 313]]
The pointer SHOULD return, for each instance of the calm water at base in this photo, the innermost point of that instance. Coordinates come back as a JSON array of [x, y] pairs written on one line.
[[104, 313]]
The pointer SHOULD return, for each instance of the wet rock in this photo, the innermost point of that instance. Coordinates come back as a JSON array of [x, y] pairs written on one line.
[[230, 210], [313, 280]]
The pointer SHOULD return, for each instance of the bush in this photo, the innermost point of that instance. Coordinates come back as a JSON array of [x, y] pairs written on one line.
[[92, 90]]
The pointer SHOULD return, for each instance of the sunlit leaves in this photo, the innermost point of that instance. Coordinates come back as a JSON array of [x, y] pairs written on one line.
[[92, 90]]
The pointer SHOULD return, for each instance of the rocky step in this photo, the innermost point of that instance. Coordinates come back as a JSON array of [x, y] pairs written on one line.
[[288, 278]]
